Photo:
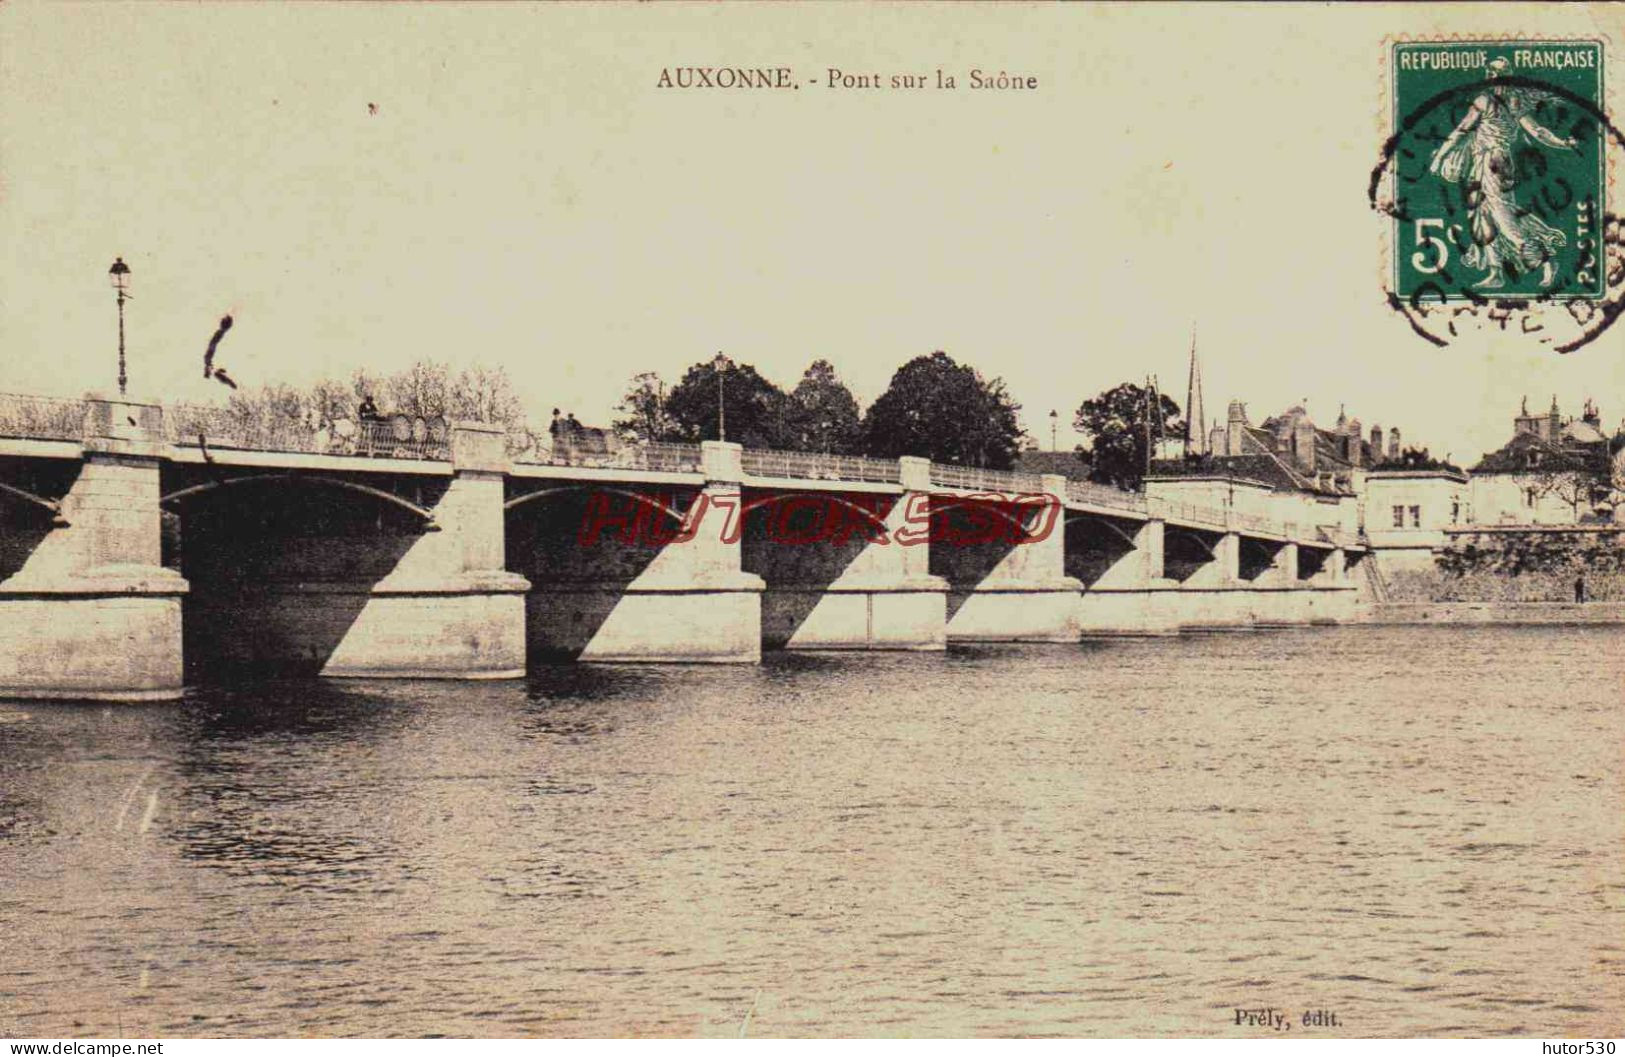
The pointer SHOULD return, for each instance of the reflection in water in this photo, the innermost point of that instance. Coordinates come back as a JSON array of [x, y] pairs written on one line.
[[1112, 839]]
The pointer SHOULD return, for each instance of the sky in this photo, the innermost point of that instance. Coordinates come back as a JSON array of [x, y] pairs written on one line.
[[368, 184]]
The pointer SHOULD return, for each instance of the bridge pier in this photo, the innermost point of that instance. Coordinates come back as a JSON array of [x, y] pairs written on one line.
[[409, 599], [1004, 592], [1214, 597], [872, 591], [1280, 599], [621, 598], [1130, 597], [1334, 596], [449, 610], [88, 612]]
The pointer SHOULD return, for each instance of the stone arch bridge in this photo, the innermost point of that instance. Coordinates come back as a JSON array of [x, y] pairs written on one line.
[[141, 547]]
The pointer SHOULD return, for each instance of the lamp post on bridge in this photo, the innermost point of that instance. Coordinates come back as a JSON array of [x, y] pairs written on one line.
[[719, 365], [1054, 417], [119, 276]]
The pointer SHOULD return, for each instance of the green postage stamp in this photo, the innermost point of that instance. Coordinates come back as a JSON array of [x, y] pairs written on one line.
[[1498, 165]]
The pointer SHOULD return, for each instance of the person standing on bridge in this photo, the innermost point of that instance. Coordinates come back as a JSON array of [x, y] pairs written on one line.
[[572, 435]]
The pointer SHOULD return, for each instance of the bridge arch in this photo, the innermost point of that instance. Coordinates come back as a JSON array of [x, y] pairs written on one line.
[[1108, 523], [423, 513], [769, 500], [637, 497], [992, 506], [1206, 539], [51, 506]]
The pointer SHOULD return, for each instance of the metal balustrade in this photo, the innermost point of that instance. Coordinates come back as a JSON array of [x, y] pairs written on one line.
[[1187, 513], [658, 456], [1105, 495], [976, 479], [194, 425], [41, 417], [814, 466], [1256, 522]]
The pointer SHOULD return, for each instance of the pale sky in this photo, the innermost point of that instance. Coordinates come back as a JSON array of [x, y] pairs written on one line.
[[525, 195]]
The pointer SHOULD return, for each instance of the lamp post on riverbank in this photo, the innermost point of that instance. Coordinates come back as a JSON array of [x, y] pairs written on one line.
[[119, 276]]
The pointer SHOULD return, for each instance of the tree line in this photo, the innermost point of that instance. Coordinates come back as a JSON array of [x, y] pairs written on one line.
[[427, 389], [934, 407]]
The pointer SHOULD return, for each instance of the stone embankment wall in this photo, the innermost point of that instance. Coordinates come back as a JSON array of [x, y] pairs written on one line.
[[1516, 566]]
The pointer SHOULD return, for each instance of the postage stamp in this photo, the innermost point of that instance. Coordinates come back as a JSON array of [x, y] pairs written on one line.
[[1495, 177], [1501, 181]]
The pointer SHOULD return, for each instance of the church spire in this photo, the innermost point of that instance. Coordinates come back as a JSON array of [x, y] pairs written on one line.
[[1195, 413]]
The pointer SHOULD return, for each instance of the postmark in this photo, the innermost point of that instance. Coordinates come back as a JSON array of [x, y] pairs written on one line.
[[1495, 182]]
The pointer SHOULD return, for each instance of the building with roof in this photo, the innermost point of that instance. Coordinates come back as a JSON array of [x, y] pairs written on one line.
[[1552, 471]]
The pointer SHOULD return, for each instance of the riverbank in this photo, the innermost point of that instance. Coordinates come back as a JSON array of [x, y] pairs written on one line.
[[1493, 613]]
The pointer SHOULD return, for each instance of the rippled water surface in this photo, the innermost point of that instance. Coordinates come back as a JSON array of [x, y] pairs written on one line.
[[1420, 830]]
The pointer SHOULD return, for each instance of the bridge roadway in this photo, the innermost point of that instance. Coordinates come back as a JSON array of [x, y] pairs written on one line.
[[140, 544]]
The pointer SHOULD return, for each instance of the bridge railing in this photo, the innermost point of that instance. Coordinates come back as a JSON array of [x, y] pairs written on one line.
[[1337, 536], [1105, 495], [192, 425], [815, 466], [41, 417], [1203, 516], [1255, 522], [976, 479], [659, 456]]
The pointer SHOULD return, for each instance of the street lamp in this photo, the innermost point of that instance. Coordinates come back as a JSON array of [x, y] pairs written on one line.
[[1054, 417], [719, 365], [119, 276]]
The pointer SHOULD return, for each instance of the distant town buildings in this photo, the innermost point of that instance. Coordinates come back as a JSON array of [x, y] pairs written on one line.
[[1553, 471], [1289, 449]]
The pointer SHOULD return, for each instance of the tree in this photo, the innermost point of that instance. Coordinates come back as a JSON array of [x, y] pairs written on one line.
[[331, 400], [1580, 489], [823, 415], [422, 390], [428, 389], [1116, 424], [756, 409], [1417, 459], [644, 406], [946, 412], [484, 394]]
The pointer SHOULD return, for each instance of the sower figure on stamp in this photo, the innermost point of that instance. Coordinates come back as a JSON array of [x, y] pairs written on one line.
[[1483, 148]]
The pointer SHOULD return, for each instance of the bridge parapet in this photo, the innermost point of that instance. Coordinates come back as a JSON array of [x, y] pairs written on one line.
[[1337, 537], [976, 479], [1257, 523], [662, 456], [193, 425], [1106, 495], [1185, 513], [815, 466], [41, 417]]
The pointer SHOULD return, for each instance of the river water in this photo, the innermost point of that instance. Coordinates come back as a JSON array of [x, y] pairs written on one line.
[[1419, 830]]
